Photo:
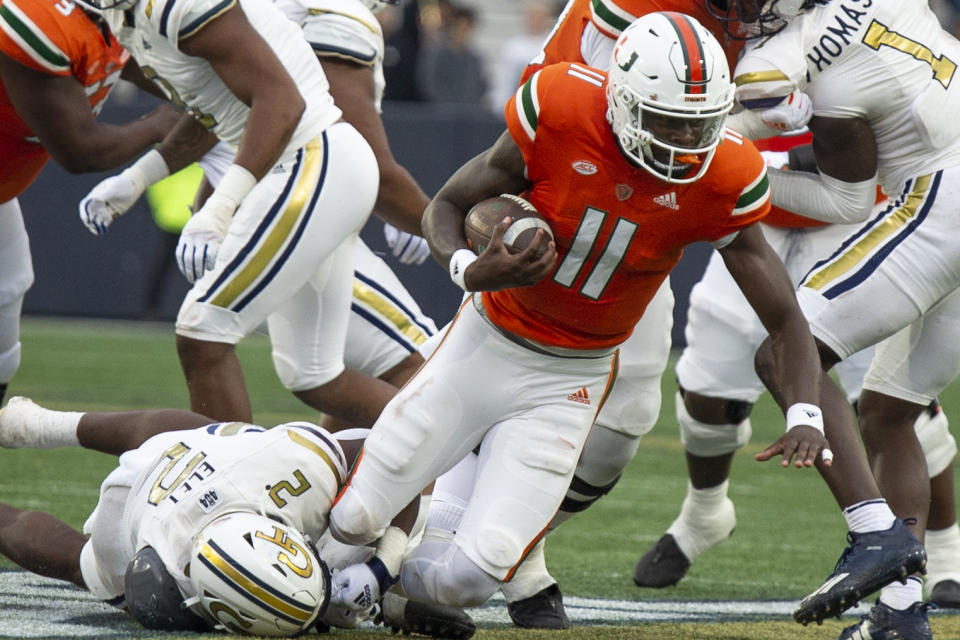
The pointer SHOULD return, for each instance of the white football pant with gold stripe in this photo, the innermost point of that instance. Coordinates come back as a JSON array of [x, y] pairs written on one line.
[[288, 259], [386, 323], [897, 276]]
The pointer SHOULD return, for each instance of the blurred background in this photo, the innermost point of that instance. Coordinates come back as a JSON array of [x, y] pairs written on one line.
[[450, 66]]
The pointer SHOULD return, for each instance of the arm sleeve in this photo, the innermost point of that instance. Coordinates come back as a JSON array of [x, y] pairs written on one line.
[[822, 197]]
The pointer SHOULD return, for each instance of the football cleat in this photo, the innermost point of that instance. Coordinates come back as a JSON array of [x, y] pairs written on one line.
[[542, 610], [885, 623], [663, 565], [871, 560], [436, 621], [946, 594]]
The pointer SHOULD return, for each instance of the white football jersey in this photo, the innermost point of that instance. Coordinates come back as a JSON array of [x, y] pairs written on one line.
[[886, 61], [152, 29], [344, 29], [291, 472]]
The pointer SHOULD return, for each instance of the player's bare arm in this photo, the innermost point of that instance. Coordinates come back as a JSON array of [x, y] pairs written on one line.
[[499, 169], [845, 148], [58, 112], [796, 372], [255, 75], [400, 200], [185, 143]]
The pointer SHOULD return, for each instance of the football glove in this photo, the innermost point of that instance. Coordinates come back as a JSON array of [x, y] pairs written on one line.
[[792, 113], [114, 196], [201, 237], [406, 247], [360, 586]]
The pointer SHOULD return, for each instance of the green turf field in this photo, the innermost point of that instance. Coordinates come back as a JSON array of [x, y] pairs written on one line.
[[788, 537]]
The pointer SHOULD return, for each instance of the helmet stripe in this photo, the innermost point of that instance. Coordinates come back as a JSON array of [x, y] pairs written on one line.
[[251, 587], [693, 54]]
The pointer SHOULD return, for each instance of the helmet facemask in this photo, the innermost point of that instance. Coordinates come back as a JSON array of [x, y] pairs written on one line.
[[747, 19], [668, 95], [376, 6]]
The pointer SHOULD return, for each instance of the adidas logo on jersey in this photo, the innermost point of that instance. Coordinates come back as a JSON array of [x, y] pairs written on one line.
[[580, 396], [668, 200]]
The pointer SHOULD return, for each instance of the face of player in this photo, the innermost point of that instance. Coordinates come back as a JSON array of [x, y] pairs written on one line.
[[686, 133]]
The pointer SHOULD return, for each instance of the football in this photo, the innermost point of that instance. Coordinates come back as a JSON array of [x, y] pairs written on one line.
[[486, 214]]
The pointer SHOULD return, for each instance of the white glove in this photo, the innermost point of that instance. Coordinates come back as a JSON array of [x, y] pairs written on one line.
[[359, 586], [792, 113], [201, 237], [114, 196], [107, 201], [406, 247]]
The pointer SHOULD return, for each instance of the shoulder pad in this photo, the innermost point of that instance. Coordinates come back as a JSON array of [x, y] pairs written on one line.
[[770, 69], [344, 29]]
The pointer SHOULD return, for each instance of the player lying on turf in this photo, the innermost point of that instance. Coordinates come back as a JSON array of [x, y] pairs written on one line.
[[207, 526]]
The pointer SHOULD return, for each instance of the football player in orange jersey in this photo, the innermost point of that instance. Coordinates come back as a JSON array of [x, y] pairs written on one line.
[[628, 170], [57, 65]]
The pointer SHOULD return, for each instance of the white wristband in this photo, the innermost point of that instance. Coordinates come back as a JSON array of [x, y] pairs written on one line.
[[148, 169], [459, 261], [235, 185], [803, 413], [390, 549]]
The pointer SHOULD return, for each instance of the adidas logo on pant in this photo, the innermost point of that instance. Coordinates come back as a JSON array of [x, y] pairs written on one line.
[[580, 396]]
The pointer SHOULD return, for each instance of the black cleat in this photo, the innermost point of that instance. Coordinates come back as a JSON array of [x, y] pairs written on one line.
[[871, 560], [946, 594], [885, 623], [663, 565], [542, 610], [433, 620]]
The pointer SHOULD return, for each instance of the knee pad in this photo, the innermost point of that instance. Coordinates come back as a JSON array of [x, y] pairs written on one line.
[[605, 455], [710, 440], [439, 571], [939, 446], [351, 521], [633, 405]]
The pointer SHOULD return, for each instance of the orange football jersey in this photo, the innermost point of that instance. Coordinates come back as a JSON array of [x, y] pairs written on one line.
[[57, 38], [611, 17], [618, 229]]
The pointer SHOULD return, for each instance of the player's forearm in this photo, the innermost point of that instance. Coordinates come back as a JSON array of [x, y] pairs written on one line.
[[269, 128], [400, 200], [187, 142]]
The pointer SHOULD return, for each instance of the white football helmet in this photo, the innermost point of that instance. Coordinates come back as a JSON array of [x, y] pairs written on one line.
[[376, 6], [668, 95], [255, 576]]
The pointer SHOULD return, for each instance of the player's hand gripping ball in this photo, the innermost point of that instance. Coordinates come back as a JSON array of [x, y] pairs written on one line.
[[486, 214]]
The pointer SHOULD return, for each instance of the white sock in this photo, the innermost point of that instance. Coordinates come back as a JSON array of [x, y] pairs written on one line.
[[901, 596], [26, 424], [706, 518], [869, 515], [943, 554]]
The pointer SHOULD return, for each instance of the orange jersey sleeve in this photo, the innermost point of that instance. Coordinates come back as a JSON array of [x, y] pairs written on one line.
[[619, 230], [611, 17], [56, 38]]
